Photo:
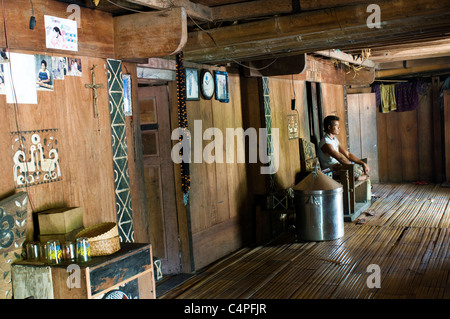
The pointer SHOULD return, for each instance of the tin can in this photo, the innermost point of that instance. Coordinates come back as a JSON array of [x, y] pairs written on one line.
[[68, 251], [83, 249], [54, 254]]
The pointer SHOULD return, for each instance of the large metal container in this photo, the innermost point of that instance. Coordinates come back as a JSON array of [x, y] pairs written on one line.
[[319, 208]]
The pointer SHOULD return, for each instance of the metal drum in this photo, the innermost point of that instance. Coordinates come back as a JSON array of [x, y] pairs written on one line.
[[319, 208]]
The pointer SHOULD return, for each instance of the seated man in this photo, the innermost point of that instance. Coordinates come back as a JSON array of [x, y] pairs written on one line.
[[332, 155]]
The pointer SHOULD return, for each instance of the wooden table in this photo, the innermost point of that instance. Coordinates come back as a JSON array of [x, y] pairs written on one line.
[[126, 274]]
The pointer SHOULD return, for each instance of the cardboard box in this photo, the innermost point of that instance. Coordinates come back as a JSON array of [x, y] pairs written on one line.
[[60, 220], [61, 237]]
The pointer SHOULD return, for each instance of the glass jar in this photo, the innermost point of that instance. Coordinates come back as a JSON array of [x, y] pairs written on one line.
[[83, 249]]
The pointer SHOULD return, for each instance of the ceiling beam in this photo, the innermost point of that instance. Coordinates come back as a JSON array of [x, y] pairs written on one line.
[[193, 10], [251, 9], [345, 57], [412, 51], [316, 30], [308, 5], [414, 70], [411, 63], [150, 34]]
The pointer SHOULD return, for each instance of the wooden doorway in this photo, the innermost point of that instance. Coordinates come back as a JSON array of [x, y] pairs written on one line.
[[159, 176]]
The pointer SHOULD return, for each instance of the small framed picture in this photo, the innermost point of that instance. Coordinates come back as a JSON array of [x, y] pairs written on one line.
[[221, 79], [127, 100], [192, 85]]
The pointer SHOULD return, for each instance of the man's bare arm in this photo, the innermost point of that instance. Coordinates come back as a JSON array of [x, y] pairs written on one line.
[[354, 159], [341, 158]]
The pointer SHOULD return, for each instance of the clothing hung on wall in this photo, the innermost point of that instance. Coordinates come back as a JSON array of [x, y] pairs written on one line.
[[407, 97], [399, 97], [388, 101]]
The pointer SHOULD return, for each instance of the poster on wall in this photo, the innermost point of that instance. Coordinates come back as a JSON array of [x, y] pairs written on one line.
[[20, 79], [43, 67], [61, 34]]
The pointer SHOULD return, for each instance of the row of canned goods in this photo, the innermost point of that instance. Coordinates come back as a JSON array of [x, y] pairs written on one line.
[[53, 252]]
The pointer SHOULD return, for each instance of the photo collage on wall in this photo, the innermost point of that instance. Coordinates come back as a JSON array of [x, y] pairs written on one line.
[[23, 74], [207, 84]]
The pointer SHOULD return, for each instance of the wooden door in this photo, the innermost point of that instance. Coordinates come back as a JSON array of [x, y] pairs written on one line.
[[447, 135], [159, 176], [362, 128]]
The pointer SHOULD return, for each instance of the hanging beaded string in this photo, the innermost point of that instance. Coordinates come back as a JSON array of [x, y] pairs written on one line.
[[182, 123]]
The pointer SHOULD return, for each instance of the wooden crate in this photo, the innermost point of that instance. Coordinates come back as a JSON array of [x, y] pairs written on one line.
[[127, 274]]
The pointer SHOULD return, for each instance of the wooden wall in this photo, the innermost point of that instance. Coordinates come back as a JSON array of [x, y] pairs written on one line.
[[83, 142], [282, 90], [281, 93], [95, 32], [407, 146], [333, 103], [217, 208], [329, 92]]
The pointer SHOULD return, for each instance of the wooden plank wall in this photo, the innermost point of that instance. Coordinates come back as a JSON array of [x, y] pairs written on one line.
[[218, 212], [333, 103], [406, 143], [95, 31], [282, 90], [281, 93], [84, 143]]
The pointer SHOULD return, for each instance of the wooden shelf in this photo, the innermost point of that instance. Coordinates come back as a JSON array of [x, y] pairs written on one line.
[[129, 272]]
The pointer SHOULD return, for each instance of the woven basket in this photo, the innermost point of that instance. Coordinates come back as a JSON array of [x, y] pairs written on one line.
[[103, 238]]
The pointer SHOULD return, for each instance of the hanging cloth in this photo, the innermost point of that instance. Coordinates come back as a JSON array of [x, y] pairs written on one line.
[[387, 96], [182, 123], [406, 96]]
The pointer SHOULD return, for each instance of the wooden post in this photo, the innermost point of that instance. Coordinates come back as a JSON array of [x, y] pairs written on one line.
[[437, 130]]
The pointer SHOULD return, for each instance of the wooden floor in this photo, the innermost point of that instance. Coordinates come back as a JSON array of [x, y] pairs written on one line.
[[406, 232]]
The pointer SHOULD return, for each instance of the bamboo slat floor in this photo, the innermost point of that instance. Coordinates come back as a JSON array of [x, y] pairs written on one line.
[[405, 232]]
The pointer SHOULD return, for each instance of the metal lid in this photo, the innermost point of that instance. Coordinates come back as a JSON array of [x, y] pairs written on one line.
[[317, 180]]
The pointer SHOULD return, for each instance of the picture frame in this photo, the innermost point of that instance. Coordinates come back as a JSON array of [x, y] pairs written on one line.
[[192, 85], [127, 97], [221, 80], [207, 84]]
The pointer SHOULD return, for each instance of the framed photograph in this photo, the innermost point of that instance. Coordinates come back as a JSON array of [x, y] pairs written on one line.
[[192, 85], [221, 79], [127, 101]]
